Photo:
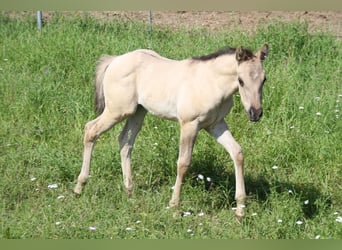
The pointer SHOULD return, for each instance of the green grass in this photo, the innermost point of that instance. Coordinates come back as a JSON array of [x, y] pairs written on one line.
[[46, 81]]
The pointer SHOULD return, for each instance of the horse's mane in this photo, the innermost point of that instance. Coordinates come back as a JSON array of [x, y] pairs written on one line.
[[223, 51]]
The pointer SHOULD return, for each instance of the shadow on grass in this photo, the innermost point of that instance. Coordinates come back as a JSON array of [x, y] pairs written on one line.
[[257, 187]]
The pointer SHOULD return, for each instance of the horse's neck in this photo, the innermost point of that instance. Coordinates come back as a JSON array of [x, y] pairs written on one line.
[[225, 64], [221, 72], [225, 67]]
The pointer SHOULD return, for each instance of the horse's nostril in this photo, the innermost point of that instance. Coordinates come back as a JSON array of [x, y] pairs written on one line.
[[255, 114]]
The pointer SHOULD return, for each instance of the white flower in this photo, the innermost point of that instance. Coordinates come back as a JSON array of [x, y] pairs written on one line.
[[337, 101], [208, 179], [336, 111], [306, 202], [58, 223], [280, 221], [189, 231], [301, 107], [186, 214], [299, 222], [129, 229], [201, 214], [335, 213], [290, 191], [254, 214], [167, 208], [234, 208], [292, 127], [339, 219], [340, 95], [138, 222], [33, 179], [275, 167], [53, 186], [318, 113], [60, 197], [92, 228], [317, 237], [201, 177]]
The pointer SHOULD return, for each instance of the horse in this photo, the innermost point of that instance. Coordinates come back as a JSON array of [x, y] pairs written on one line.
[[197, 92]]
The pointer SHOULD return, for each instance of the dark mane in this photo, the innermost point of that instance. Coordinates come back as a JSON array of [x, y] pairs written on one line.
[[223, 51]]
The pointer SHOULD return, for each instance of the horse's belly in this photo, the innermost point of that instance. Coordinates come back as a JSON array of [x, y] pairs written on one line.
[[160, 108]]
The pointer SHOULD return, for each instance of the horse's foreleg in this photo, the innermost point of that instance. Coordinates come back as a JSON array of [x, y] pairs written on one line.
[[225, 138], [188, 135], [93, 130], [126, 141]]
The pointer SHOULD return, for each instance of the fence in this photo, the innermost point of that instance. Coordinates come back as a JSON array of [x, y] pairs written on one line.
[[40, 20], [328, 21]]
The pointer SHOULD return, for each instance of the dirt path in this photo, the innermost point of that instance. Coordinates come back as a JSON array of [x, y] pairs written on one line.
[[216, 20]]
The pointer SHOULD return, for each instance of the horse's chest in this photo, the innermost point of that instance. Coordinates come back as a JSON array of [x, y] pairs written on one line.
[[217, 113]]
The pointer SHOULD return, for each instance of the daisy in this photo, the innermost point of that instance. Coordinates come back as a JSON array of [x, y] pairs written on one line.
[[53, 186]]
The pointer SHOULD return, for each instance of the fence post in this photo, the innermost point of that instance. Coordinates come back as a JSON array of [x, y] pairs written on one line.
[[150, 21], [39, 19], [150, 29]]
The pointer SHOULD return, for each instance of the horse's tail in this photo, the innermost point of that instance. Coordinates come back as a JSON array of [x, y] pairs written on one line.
[[102, 65]]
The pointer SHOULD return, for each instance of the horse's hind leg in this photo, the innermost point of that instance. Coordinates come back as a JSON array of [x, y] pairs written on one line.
[[93, 130], [126, 141], [224, 137]]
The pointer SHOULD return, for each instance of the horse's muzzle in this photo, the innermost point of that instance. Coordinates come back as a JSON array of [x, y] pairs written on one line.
[[254, 114]]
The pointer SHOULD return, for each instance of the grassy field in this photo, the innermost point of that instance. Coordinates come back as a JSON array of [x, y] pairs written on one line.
[[293, 156]]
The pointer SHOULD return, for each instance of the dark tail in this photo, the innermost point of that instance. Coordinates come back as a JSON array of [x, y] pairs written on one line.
[[101, 68]]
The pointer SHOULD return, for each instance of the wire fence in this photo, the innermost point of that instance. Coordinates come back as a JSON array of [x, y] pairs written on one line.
[[40, 20], [318, 21]]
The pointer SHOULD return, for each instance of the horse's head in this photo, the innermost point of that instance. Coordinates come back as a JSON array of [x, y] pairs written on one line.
[[251, 78]]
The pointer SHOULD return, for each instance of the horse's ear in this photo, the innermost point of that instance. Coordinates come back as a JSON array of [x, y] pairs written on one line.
[[240, 54], [263, 52]]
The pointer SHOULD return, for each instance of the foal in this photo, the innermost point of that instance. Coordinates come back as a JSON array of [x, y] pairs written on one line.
[[197, 92]]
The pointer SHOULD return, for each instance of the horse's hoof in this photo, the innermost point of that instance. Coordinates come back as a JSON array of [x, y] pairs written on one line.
[[77, 190], [173, 204], [239, 218], [76, 194], [129, 193], [176, 215]]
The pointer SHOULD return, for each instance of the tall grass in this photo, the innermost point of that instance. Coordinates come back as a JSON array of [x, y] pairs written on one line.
[[293, 155]]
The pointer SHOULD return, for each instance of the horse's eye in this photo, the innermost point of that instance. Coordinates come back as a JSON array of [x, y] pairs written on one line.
[[240, 82]]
